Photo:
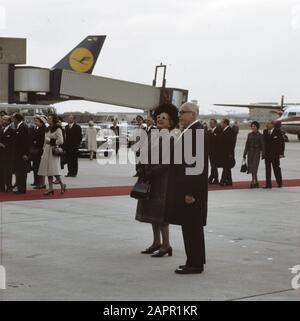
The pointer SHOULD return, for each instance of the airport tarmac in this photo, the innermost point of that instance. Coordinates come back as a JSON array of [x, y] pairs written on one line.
[[88, 248]]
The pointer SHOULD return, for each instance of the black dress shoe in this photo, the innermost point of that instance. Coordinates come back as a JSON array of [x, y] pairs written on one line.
[[19, 192], [189, 270], [279, 185], [162, 253], [151, 249], [267, 187]]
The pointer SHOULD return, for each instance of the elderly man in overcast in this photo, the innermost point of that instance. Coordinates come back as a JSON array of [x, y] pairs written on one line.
[[189, 190]]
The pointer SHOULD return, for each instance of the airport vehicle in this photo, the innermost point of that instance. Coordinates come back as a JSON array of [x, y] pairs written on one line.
[[289, 114], [71, 79]]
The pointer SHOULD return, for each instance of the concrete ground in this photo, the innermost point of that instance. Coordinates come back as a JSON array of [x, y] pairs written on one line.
[[88, 248]]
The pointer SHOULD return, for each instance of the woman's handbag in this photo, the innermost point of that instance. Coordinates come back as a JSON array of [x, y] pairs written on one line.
[[58, 151], [141, 190], [244, 167]]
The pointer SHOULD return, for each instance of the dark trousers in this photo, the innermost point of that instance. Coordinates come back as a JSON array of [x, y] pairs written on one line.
[[21, 175], [6, 175], [2, 185], [194, 243], [214, 175], [72, 161], [226, 175], [275, 163], [35, 166]]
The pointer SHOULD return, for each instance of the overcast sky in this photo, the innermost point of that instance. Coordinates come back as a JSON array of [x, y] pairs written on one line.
[[223, 51]]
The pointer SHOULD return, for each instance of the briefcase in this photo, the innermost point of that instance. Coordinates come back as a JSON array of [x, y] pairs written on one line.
[[141, 190]]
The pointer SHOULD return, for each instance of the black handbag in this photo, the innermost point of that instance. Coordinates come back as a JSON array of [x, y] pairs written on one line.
[[244, 167], [141, 190], [58, 151]]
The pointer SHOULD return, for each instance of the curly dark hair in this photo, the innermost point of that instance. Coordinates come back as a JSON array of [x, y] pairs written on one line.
[[256, 124], [55, 121], [169, 109]]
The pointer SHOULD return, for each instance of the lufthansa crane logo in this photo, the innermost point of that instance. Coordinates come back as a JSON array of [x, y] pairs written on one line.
[[81, 60]]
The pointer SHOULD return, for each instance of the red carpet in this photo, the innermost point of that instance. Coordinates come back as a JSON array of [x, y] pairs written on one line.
[[116, 191]]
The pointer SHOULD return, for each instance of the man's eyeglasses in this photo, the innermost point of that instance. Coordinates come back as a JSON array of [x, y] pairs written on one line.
[[181, 112]]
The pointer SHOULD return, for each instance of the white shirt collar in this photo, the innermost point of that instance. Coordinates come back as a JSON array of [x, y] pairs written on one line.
[[6, 128], [189, 126], [20, 124], [225, 128]]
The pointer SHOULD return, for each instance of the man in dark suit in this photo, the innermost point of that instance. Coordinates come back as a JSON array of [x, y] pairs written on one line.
[[6, 146], [20, 153], [213, 145], [2, 188], [188, 191], [274, 145], [116, 131], [227, 141], [150, 124], [73, 139], [6, 154]]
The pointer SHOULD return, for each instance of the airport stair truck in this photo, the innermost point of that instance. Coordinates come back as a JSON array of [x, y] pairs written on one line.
[[32, 85]]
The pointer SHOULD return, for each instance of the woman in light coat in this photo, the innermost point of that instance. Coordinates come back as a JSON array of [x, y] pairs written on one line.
[[91, 139], [50, 164]]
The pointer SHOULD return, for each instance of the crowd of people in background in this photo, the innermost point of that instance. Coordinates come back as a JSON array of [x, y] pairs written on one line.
[[24, 149], [43, 149], [268, 146]]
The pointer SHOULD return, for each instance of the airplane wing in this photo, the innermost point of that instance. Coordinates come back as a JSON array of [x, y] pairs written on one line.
[[267, 106]]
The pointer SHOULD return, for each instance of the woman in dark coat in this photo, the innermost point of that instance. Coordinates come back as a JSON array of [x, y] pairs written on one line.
[[36, 149], [254, 150], [153, 210]]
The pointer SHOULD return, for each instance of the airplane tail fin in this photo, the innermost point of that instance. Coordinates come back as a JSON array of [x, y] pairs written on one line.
[[84, 56]]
